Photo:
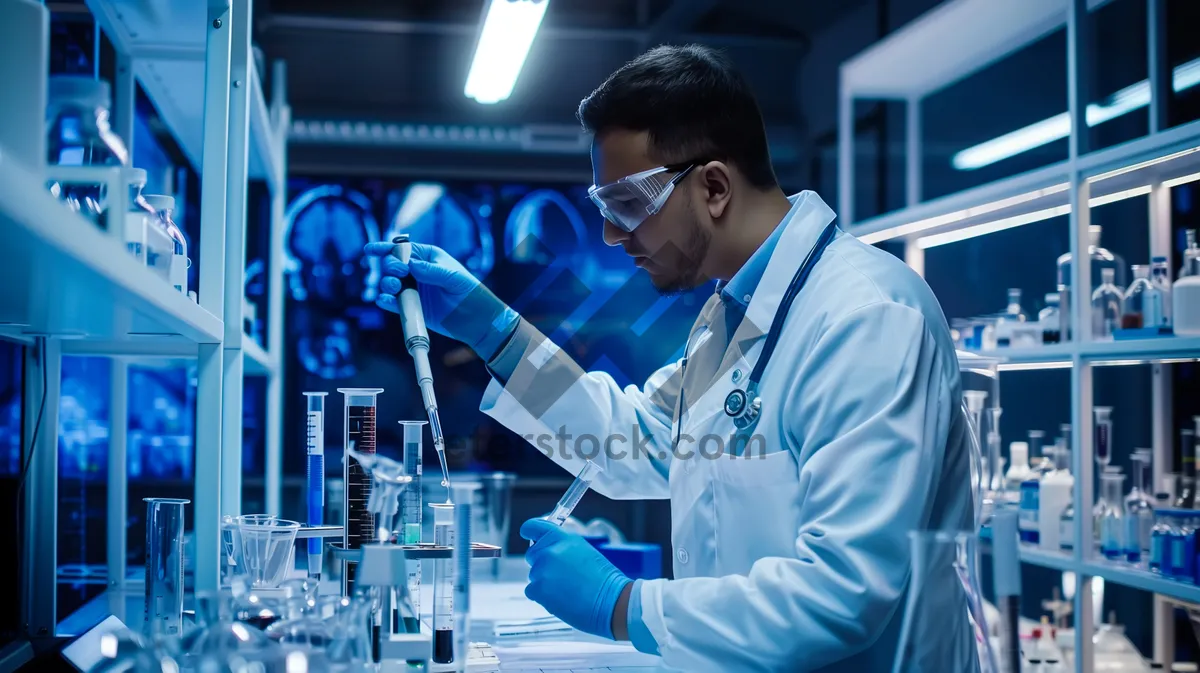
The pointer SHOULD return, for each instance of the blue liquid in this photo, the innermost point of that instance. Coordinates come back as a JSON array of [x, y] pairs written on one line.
[[1159, 544], [316, 497], [1182, 557]]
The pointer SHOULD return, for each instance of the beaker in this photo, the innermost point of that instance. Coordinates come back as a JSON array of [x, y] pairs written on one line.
[[495, 513], [268, 546], [1103, 436], [314, 445], [164, 566], [358, 433], [1110, 516], [944, 627], [443, 585]]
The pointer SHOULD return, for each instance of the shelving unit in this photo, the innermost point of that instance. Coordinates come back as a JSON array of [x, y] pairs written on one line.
[[73, 289], [953, 41]]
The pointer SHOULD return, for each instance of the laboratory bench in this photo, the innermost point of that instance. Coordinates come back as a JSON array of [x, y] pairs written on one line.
[[495, 596]]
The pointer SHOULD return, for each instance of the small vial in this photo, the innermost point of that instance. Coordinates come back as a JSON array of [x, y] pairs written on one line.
[[574, 493], [1103, 436], [443, 585]]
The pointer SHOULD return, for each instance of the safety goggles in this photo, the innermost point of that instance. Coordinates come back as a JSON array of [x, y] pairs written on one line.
[[629, 201]]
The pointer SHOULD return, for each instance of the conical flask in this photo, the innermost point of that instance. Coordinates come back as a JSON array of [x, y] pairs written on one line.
[[944, 628]]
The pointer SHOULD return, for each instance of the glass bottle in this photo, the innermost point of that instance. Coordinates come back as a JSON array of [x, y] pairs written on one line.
[[1160, 534], [1109, 515], [1182, 547], [1049, 320], [1103, 438], [78, 134], [1187, 480], [171, 243], [1106, 306], [1139, 510], [1066, 528], [1142, 306], [1100, 259], [1160, 276], [1191, 256], [140, 221]]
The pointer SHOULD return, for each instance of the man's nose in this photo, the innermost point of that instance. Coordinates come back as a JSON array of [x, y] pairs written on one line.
[[614, 235]]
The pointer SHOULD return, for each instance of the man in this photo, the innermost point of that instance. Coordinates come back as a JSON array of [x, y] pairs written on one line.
[[794, 556]]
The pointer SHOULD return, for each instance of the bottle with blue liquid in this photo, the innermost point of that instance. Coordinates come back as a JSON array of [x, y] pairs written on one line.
[[1160, 535], [1182, 547], [1109, 515]]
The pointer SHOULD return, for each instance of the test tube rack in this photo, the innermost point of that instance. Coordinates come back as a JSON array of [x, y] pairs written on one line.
[[418, 551]]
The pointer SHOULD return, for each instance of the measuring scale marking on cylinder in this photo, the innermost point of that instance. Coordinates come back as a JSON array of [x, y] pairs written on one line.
[[315, 449], [411, 511], [443, 585], [359, 434]]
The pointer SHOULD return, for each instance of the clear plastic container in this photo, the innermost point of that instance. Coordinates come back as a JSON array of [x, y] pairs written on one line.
[[1106, 306], [1143, 302], [1101, 259], [1160, 276], [268, 548], [140, 220], [1185, 306], [171, 251], [78, 134]]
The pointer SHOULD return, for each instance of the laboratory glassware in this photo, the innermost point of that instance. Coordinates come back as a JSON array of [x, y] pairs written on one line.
[[1191, 256], [566, 504], [1106, 306], [1139, 510], [358, 433], [944, 609], [174, 255], [137, 221], [464, 498], [164, 566], [1187, 480], [995, 462], [1160, 276], [1143, 301], [443, 585], [495, 513], [1018, 468], [1054, 497], [1100, 259], [268, 547], [1049, 320], [1027, 486], [1103, 436], [1182, 549], [1066, 528], [975, 400], [388, 483], [1110, 515], [314, 449], [1185, 306], [78, 134], [1040, 460], [411, 513], [1160, 534]]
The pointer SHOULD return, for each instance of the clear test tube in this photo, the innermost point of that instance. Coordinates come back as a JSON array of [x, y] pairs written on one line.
[[410, 512], [464, 498], [164, 567], [975, 400], [443, 585], [358, 433], [314, 444], [574, 493], [993, 446], [1103, 436]]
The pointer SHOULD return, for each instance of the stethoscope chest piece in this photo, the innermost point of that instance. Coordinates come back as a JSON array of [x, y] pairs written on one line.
[[742, 409]]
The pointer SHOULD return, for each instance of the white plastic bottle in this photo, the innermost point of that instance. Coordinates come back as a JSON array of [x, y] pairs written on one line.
[[1054, 494], [1185, 306]]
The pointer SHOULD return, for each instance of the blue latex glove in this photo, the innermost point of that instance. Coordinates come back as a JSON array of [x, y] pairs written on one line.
[[571, 579], [455, 303]]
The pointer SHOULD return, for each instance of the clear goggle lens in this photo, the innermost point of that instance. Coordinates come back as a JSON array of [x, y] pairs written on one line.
[[629, 201]]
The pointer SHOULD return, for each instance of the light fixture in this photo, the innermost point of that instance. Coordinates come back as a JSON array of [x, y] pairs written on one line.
[[508, 31], [1133, 97]]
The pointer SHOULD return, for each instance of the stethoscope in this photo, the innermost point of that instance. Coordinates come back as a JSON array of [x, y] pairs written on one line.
[[744, 405]]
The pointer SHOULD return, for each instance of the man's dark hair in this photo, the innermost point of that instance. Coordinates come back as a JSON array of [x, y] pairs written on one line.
[[694, 105]]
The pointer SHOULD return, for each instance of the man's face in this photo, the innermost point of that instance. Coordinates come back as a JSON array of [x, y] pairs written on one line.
[[670, 245]]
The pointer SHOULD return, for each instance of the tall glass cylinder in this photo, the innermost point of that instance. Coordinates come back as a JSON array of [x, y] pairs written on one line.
[[164, 566], [1139, 509], [358, 433], [464, 496], [314, 427], [495, 513], [410, 513], [1110, 515], [443, 585]]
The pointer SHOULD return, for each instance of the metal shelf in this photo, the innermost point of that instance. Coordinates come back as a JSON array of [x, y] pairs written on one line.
[[1112, 571], [1121, 171], [64, 277], [1098, 353], [166, 42]]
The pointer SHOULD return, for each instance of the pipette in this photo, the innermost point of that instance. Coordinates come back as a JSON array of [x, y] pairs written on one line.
[[416, 340], [574, 493]]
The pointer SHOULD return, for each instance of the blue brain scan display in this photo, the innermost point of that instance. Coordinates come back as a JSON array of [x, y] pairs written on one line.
[[431, 213]]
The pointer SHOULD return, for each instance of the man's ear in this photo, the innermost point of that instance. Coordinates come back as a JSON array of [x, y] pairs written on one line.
[[717, 181]]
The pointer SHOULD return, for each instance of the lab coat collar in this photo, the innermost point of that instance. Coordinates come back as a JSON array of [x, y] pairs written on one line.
[[802, 227]]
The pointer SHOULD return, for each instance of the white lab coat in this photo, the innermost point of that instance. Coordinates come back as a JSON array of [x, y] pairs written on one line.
[[799, 560]]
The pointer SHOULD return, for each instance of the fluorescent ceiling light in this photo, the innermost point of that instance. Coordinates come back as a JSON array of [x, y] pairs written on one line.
[[1133, 97], [1031, 366], [508, 32]]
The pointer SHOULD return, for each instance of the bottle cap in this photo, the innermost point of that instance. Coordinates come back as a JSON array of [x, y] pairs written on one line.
[[1158, 259], [1019, 452], [137, 176]]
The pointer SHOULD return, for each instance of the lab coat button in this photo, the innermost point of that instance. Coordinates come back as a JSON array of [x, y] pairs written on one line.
[[682, 555], [737, 375]]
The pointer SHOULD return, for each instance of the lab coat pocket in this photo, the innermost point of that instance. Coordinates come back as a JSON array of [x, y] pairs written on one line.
[[757, 508]]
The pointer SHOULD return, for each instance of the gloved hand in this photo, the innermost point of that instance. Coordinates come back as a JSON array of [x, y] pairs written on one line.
[[455, 303], [571, 579]]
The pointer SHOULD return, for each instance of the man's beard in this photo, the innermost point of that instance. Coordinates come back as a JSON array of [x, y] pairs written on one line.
[[686, 263]]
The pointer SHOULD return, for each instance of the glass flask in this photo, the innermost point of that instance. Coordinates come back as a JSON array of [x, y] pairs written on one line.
[[944, 626], [218, 634], [1139, 509], [1049, 319], [1143, 302], [1160, 277], [1109, 514], [1160, 534], [1101, 259], [78, 134], [1106, 307]]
